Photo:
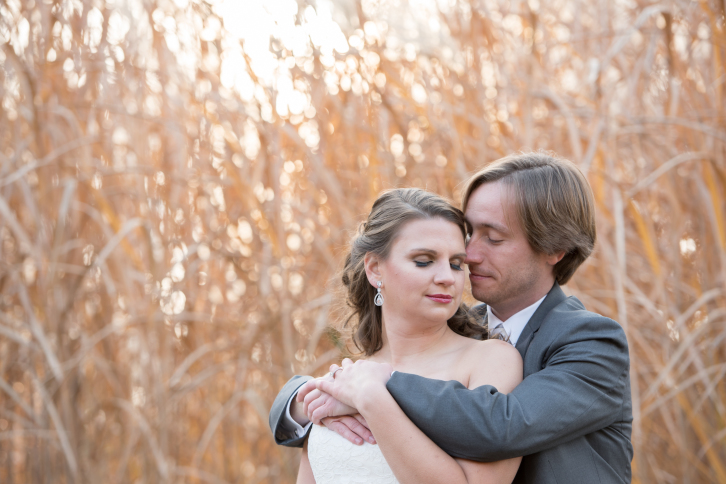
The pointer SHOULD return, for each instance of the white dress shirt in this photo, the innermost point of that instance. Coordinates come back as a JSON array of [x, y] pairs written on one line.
[[514, 325], [290, 424]]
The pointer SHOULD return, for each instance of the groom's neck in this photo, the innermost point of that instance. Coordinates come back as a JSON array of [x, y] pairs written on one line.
[[508, 308]]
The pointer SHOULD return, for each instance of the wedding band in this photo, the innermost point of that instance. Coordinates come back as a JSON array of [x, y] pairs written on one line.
[[332, 373]]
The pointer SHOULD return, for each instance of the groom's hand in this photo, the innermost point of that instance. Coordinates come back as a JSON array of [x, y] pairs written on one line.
[[353, 428]]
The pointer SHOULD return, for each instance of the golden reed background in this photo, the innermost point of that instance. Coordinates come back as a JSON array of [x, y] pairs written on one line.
[[169, 225]]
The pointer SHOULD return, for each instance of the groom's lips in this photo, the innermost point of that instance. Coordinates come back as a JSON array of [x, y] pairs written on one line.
[[473, 276]]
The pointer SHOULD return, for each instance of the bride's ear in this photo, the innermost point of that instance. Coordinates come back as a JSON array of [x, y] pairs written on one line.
[[373, 268]]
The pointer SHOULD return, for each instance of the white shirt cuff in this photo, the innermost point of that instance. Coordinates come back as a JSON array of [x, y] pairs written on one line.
[[291, 424]]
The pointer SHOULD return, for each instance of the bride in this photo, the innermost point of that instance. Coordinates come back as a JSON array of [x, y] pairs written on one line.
[[404, 281]]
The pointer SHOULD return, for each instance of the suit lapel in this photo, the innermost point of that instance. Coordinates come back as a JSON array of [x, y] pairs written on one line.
[[554, 297]]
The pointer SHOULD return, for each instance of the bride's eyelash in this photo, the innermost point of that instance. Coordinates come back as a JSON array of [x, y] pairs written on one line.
[[456, 267]]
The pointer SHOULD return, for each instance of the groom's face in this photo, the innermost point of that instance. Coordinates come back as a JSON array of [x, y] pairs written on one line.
[[505, 272]]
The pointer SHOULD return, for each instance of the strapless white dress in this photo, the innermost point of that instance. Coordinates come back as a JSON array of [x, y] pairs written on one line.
[[335, 460]]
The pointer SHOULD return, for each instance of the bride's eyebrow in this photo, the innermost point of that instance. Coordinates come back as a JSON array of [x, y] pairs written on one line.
[[430, 252]]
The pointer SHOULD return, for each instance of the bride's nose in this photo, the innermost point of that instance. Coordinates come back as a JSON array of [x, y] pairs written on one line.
[[445, 276]]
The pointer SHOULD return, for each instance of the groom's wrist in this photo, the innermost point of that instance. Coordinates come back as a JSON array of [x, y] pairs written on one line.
[[297, 414]]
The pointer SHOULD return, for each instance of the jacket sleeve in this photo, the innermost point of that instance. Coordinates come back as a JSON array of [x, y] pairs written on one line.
[[284, 434], [580, 389]]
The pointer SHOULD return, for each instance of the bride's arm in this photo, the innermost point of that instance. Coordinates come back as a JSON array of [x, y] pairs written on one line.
[[501, 368], [305, 472], [413, 457]]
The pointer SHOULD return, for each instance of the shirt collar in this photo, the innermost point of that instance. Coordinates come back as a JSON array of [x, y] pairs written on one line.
[[516, 323]]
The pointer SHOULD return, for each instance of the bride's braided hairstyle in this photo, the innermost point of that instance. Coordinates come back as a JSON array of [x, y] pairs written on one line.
[[390, 212]]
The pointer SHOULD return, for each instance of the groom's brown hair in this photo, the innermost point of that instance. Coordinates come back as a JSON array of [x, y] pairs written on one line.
[[553, 201]]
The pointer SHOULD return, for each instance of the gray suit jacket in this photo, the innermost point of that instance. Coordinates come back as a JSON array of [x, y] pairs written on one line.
[[571, 417], [284, 435]]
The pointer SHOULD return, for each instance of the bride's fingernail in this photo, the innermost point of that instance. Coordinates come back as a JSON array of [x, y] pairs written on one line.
[[371, 440], [358, 441]]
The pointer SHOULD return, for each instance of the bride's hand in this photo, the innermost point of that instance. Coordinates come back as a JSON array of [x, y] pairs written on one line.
[[318, 405], [326, 406], [357, 384]]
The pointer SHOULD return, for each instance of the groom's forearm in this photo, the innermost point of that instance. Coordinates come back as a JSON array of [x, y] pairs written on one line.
[[449, 414], [582, 389]]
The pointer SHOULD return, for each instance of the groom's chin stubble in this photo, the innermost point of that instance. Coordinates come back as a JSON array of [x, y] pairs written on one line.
[[482, 296]]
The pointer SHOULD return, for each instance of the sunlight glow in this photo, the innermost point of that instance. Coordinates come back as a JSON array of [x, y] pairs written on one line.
[[256, 25]]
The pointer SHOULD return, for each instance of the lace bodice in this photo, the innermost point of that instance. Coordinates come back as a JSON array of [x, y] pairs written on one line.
[[335, 460]]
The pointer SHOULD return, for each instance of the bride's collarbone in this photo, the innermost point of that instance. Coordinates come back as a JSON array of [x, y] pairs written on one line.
[[451, 362], [443, 367]]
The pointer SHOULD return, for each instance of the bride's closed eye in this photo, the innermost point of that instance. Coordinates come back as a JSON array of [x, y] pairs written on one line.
[[455, 266]]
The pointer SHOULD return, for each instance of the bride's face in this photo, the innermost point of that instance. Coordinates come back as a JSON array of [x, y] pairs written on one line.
[[422, 276]]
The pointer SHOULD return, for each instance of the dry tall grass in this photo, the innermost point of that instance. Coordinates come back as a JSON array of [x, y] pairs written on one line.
[[168, 230]]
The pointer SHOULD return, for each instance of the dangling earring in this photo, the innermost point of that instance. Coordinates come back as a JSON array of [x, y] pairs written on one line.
[[378, 301]]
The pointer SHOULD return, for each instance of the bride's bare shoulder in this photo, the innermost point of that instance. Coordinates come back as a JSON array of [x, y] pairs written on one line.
[[493, 362], [490, 348]]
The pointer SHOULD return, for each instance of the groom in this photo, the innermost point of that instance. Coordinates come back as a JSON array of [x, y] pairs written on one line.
[[532, 223]]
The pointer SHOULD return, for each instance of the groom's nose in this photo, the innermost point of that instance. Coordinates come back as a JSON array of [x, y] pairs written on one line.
[[474, 252]]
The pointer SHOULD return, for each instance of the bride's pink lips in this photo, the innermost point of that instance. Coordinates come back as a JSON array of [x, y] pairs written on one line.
[[440, 298]]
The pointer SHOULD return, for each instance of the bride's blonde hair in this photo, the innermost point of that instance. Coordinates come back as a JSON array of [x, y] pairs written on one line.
[[390, 212]]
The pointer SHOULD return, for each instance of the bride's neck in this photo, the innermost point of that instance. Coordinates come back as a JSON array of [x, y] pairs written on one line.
[[407, 342]]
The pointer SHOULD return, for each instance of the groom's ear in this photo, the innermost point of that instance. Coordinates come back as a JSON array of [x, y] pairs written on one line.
[[373, 268], [553, 259]]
